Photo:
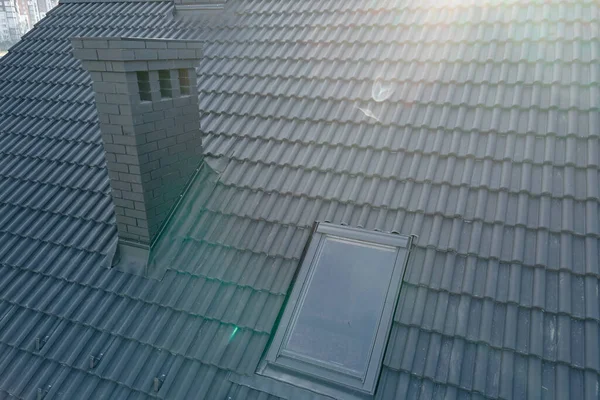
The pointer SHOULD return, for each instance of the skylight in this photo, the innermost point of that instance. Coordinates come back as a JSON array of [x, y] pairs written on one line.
[[333, 331]]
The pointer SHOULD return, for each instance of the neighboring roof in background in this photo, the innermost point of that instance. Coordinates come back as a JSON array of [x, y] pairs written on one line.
[[471, 124]]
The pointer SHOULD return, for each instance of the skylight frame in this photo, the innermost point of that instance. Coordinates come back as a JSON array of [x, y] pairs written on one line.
[[323, 377]]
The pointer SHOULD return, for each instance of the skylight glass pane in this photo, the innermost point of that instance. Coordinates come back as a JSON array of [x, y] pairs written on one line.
[[342, 307]]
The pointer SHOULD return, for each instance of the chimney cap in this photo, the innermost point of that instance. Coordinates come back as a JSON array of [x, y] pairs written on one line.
[[119, 48]]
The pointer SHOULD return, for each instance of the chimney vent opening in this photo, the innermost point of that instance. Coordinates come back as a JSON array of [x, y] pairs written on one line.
[[184, 82], [164, 81], [143, 78]]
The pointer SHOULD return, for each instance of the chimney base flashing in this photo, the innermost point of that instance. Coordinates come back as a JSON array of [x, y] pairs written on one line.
[[132, 257]]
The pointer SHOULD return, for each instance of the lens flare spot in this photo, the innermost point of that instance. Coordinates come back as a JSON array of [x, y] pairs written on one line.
[[233, 333]]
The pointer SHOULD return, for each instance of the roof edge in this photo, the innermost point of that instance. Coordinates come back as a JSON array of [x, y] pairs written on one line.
[[112, 1]]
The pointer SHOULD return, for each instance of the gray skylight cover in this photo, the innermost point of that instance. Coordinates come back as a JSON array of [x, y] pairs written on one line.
[[338, 316], [342, 305]]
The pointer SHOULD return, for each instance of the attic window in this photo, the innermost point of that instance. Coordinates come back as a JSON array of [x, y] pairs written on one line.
[[333, 331], [184, 82], [164, 82], [143, 78]]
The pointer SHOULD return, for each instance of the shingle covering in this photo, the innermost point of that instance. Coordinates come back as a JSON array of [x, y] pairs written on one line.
[[472, 124]]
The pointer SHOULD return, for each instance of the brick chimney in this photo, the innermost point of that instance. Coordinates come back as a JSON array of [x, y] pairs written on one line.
[[147, 104]]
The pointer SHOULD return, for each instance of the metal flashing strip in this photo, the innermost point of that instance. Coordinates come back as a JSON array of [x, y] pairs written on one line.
[[275, 387], [109, 1], [200, 7]]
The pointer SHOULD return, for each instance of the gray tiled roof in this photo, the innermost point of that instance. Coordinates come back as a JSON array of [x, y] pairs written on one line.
[[475, 127]]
